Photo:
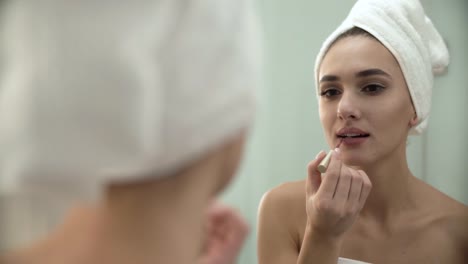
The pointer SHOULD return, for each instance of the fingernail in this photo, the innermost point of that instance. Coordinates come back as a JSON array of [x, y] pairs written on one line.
[[316, 157], [337, 153]]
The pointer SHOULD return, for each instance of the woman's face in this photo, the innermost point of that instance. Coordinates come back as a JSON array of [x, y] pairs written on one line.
[[364, 101]]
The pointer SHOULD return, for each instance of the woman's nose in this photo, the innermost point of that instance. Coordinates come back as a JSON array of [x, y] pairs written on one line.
[[348, 107]]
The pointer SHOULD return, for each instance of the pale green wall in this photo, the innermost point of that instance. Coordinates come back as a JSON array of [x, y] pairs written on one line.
[[447, 145], [288, 133]]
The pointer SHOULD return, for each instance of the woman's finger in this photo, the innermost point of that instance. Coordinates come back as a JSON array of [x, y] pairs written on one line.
[[355, 189], [330, 177], [366, 188], [314, 180], [343, 186]]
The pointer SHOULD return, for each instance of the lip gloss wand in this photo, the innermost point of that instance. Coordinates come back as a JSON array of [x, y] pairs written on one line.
[[323, 166]]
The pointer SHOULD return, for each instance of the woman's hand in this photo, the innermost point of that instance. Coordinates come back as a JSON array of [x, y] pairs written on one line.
[[335, 198], [225, 233]]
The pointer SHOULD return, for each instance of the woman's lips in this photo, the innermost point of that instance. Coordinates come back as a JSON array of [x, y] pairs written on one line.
[[353, 141], [352, 136]]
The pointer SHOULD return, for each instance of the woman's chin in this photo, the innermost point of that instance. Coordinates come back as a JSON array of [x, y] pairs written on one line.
[[355, 162]]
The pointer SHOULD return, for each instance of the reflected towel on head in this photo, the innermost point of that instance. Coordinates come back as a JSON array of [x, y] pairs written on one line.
[[404, 29], [94, 92]]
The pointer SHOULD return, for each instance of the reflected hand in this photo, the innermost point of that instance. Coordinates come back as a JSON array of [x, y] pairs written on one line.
[[225, 233]]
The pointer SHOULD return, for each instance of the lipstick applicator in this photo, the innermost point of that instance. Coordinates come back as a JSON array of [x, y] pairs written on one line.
[[323, 166]]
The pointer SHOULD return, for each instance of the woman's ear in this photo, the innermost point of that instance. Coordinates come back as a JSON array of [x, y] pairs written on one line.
[[414, 121]]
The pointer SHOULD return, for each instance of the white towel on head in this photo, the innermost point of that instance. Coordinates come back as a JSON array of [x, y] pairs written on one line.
[[403, 27], [101, 91]]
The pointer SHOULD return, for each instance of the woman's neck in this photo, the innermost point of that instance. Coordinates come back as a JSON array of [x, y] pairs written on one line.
[[392, 188], [161, 221]]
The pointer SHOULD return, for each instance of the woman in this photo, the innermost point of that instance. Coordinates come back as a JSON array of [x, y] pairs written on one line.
[[374, 79], [128, 118]]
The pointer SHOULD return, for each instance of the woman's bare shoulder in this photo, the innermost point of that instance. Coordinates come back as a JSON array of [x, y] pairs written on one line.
[[450, 216], [447, 206], [454, 223], [281, 217], [286, 194], [439, 202], [286, 200]]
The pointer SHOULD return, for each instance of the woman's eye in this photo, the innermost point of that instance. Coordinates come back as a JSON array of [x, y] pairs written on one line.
[[330, 92], [373, 88]]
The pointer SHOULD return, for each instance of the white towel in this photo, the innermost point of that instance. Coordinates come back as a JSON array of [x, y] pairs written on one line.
[[350, 261], [94, 92], [403, 27]]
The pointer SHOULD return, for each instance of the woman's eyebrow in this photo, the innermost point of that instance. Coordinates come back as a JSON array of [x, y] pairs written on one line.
[[329, 78], [361, 74], [370, 72]]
